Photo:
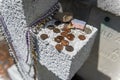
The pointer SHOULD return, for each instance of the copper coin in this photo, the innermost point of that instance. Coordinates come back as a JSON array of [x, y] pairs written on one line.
[[70, 37], [64, 42], [69, 48], [59, 47], [81, 37], [51, 27], [44, 36], [64, 34], [66, 29], [59, 39], [56, 30]]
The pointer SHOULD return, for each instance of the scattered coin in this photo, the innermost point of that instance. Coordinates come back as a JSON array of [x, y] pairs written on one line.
[[88, 30], [44, 36], [64, 42], [70, 37], [59, 39], [66, 29], [59, 47], [81, 37], [56, 30], [69, 48], [51, 27], [64, 34]]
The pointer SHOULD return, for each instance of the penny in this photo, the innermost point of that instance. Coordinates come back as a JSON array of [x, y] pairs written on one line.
[[69, 48], [64, 42], [66, 29], [51, 27], [59, 47], [64, 34], [88, 30], [56, 30], [59, 39], [57, 23], [44, 36], [81, 37], [70, 37]]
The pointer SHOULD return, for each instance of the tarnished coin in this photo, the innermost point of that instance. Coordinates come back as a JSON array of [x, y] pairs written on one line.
[[88, 30], [56, 30], [44, 36], [69, 48], [59, 47], [70, 37], [51, 27], [64, 42], [64, 34], [59, 39]]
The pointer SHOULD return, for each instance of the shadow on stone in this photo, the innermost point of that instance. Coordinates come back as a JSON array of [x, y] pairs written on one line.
[[77, 77]]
